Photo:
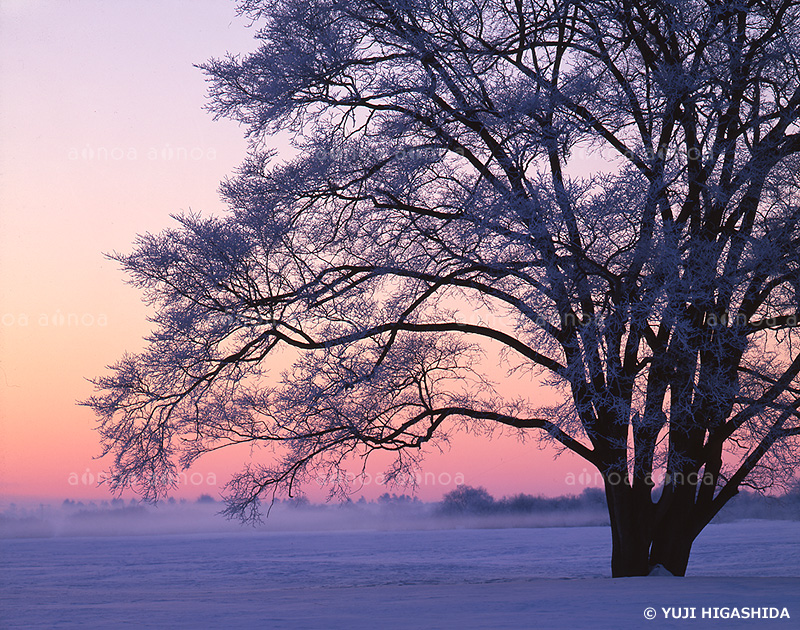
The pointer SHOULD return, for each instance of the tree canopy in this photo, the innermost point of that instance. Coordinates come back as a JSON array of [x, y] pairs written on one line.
[[614, 181]]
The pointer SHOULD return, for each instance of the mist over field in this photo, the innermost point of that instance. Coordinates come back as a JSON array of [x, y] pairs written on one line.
[[465, 507]]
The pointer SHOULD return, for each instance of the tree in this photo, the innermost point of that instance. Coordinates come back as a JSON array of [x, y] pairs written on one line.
[[438, 164], [467, 500]]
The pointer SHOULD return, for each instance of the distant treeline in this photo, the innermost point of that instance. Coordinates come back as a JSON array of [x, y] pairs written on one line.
[[752, 505], [467, 500], [462, 501]]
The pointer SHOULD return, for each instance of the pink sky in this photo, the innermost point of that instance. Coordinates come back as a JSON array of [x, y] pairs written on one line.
[[103, 136]]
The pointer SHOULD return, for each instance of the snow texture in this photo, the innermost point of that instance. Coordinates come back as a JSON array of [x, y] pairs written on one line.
[[467, 578]]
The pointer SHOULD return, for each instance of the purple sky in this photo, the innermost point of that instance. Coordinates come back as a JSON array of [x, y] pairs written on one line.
[[103, 136]]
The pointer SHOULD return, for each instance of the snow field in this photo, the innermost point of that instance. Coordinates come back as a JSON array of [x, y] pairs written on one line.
[[455, 578]]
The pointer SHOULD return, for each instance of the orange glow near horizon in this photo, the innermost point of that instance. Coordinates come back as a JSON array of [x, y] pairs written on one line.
[[104, 137]]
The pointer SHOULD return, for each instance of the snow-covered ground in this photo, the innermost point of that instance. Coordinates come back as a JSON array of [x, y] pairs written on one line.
[[391, 578]]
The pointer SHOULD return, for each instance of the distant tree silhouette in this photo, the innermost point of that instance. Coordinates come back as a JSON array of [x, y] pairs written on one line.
[[467, 500]]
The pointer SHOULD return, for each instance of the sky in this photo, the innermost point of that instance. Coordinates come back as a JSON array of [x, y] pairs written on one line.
[[103, 136]]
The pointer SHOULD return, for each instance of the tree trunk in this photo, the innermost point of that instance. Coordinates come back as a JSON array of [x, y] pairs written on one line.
[[671, 547], [639, 541], [630, 550]]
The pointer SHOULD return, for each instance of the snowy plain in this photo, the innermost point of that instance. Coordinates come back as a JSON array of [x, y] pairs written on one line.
[[380, 574]]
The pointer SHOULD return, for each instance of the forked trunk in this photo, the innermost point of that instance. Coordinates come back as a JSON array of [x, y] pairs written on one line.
[[640, 541]]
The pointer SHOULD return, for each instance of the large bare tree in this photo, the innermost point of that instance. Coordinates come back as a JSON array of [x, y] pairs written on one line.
[[441, 165]]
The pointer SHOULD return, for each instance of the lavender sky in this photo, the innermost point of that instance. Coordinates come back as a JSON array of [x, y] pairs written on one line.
[[103, 137]]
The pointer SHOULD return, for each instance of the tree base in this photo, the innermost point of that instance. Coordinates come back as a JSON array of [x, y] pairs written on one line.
[[659, 570]]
